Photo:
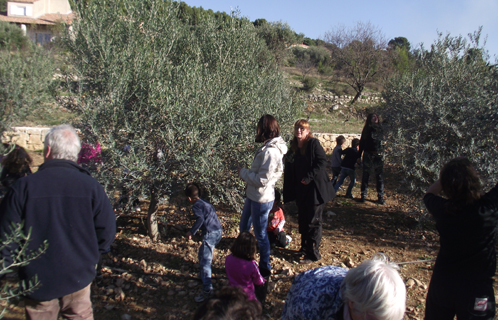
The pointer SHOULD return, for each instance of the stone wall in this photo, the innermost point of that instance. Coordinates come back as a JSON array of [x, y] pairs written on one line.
[[27, 137], [32, 138], [327, 140]]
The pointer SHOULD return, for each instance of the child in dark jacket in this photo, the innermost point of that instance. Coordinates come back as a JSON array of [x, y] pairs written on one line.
[[276, 222], [337, 158], [207, 221], [348, 166]]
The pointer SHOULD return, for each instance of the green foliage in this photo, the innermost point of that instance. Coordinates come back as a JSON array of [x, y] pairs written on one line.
[[278, 36], [182, 101], [400, 42], [445, 108], [26, 84], [12, 37], [309, 84], [3, 6], [20, 256]]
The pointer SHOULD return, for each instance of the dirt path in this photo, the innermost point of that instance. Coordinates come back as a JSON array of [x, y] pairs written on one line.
[[145, 280]]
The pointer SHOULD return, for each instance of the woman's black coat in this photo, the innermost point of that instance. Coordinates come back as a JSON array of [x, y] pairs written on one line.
[[316, 172]]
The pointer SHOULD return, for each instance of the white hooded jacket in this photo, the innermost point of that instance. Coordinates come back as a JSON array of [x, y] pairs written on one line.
[[266, 169]]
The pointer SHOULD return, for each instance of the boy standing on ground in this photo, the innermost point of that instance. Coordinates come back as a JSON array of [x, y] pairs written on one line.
[[337, 158], [347, 167], [207, 221]]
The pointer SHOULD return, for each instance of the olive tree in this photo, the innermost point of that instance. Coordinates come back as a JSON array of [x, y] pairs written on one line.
[[359, 52], [445, 108], [171, 103]]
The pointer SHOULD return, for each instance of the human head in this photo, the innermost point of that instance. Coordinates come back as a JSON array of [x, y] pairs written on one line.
[[62, 142], [17, 159], [193, 192], [340, 140], [268, 128], [355, 143], [460, 181], [245, 246], [304, 125], [374, 290], [229, 303]]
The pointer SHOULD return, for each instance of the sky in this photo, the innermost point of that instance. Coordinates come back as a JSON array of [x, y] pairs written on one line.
[[417, 20]]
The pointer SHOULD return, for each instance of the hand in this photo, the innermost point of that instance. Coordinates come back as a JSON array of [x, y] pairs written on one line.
[[304, 182], [189, 235]]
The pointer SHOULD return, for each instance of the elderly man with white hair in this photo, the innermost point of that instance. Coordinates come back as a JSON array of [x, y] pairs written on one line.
[[372, 291], [63, 204]]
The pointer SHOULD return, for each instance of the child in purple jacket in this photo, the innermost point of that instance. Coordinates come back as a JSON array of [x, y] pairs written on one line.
[[241, 267]]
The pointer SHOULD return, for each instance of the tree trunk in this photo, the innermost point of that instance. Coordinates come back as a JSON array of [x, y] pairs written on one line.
[[152, 225], [356, 97]]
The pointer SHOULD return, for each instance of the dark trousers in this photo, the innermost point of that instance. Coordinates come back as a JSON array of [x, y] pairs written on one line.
[[335, 174], [372, 162], [278, 239], [310, 228], [460, 296]]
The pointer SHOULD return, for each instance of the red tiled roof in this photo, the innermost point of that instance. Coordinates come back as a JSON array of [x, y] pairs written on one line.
[[46, 19]]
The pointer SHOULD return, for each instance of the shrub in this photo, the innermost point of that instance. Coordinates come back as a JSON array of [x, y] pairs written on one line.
[[309, 84], [26, 85], [12, 37], [446, 108], [171, 103]]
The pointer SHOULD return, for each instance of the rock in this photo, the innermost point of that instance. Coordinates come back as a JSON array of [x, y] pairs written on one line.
[[191, 284], [330, 214], [119, 282], [349, 263], [286, 271], [109, 307], [126, 316], [335, 107], [410, 283]]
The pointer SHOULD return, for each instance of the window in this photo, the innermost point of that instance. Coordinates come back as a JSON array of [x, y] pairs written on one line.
[[18, 10]]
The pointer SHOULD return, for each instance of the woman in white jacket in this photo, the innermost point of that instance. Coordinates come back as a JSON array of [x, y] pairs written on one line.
[[266, 169]]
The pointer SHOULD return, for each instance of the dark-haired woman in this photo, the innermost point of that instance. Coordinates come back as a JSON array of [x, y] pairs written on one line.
[[372, 148], [265, 170], [15, 166], [306, 181], [462, 280]]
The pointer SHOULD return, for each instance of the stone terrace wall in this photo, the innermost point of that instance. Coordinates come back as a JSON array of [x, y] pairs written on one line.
[[29, 138], [327, 140], [32, 138]]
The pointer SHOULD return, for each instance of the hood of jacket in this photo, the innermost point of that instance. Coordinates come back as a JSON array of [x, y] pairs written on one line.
[[278, 143]]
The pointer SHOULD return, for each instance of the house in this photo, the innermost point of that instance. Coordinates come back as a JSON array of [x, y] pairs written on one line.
[[37, 17]]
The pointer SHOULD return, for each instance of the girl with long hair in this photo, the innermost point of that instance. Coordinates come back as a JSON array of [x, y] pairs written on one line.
[[15, 166]]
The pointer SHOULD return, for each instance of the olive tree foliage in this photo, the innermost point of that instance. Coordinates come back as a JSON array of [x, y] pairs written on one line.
[[445, 108], [26, 77], [16, 253], [278, 37], [359, 52], [172, 103]]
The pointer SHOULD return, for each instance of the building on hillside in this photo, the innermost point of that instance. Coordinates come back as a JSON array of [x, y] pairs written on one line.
[[38, 17]]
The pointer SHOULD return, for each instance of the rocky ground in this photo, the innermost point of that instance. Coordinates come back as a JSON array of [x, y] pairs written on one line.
[[146, 280]]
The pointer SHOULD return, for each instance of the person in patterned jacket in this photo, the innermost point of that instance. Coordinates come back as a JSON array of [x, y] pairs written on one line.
[[374, 290]]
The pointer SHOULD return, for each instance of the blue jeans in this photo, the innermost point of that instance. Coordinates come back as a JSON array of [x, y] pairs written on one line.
[[256, 213], [352, 177], [209, 241]]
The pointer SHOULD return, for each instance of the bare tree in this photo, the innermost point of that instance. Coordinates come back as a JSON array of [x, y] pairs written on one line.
[[359, 52]]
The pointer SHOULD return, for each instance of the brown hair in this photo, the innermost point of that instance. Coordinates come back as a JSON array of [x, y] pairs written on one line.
[[193, 191], [340, 140], [230, 303], [17, 160], [268, 128], [245, 246], [301, 123], [460, 182]]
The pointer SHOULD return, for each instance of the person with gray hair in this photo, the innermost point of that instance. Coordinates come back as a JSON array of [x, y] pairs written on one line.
[[372, 291], [62, 204]]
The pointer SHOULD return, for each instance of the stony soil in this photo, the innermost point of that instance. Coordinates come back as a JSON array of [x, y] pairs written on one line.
[[146, 280]]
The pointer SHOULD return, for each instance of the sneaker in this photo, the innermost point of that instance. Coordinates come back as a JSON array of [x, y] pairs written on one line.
[[349, 196], [362, 199], [289, 239], [204, 296]]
